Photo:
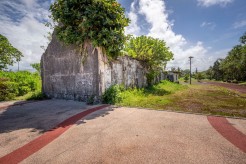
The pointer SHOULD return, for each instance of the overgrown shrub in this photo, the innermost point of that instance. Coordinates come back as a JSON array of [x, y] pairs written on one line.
[[100, 21], [234, 81], [8, 90], [113, 94], [186, 78], [37, 95], [13, 84], [199, 76]]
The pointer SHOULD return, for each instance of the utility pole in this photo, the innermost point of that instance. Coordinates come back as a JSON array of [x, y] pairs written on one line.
[[18, 67], [190, 67]]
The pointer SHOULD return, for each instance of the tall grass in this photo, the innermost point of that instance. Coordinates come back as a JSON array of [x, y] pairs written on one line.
[[150, 97]]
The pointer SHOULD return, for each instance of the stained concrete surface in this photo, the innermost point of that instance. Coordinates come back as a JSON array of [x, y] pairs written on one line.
[[128, 135], [20, 124]]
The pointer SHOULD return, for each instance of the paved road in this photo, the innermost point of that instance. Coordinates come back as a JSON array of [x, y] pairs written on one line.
[[127, 135]]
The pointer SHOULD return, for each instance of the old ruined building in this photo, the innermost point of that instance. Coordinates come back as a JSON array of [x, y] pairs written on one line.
[[69, 72]]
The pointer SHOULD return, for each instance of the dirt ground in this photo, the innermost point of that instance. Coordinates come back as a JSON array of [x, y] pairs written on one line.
[[236, 87]]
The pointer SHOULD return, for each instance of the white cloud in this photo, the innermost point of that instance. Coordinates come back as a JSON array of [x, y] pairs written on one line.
[[209, 25], [133, 28], [207, 3], [239, 24], [156, 15], [21, 23]]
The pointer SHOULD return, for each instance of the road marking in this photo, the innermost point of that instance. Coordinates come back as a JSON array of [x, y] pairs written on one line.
[[228, 131], [30, 148]]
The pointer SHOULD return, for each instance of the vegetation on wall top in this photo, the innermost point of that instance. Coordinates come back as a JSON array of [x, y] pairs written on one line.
[[100, 21], [153, 53]]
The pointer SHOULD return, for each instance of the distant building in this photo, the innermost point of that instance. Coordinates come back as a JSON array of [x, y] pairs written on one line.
[[173, 76]]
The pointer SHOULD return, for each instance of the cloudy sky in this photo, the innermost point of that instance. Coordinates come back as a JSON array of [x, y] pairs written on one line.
[[205, 29]]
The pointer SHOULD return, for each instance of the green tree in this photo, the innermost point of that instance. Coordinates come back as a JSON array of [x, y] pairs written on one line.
[[153, 53], [233, 67], [8, 54], [184, 72], [209, 73], [37, 67], [186, 77], [217, 71], [199, 76], [101, 22], [243, 39]]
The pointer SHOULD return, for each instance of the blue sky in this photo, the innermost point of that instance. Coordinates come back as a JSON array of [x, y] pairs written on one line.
[[205, 29]]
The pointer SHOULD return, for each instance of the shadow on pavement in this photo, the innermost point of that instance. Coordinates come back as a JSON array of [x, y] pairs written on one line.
[[43, 116]]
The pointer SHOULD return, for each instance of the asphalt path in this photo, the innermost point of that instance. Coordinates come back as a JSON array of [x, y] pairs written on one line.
[[103, 134]]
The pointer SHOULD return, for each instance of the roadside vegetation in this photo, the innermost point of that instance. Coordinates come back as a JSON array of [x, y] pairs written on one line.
[[199, 98], [21, 85], [209, 99], [154, 97], [233, 67]]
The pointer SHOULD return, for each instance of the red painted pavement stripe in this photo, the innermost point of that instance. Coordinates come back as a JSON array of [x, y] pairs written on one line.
[[228, 131], [25, 151]]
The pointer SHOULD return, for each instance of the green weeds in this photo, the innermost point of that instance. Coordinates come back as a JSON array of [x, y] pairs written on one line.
[[150, 97], [16, 84]]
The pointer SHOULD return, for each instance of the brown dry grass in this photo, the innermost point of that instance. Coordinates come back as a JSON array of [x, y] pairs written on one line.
[[209, 99]]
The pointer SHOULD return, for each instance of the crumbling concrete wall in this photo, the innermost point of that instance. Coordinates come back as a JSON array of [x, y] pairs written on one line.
[[68, 72]]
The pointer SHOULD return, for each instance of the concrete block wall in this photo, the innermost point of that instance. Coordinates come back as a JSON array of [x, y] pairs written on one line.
[[68, 73]]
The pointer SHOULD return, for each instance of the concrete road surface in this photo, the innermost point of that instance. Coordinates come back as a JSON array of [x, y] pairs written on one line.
[[120, 135]]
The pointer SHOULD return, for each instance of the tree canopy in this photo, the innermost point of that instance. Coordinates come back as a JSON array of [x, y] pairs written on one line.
[[233, 67], [153, 52], [8, 54], [100, 21], [37, 67]]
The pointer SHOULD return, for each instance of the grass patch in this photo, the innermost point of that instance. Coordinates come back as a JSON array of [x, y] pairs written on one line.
[[200, 98], [242, 83], [209, 99], [152, 97], [37, 95]]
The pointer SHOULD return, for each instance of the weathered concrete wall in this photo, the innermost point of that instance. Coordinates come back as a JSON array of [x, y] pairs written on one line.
[[69, 74]]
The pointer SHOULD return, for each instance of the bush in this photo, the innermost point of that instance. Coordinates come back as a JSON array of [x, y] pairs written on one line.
[[38, 95], [23, 90], [186, 78], [100, 21], [8, 90], [113, 94], [14, 84], [234, 81], [199, 76]]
